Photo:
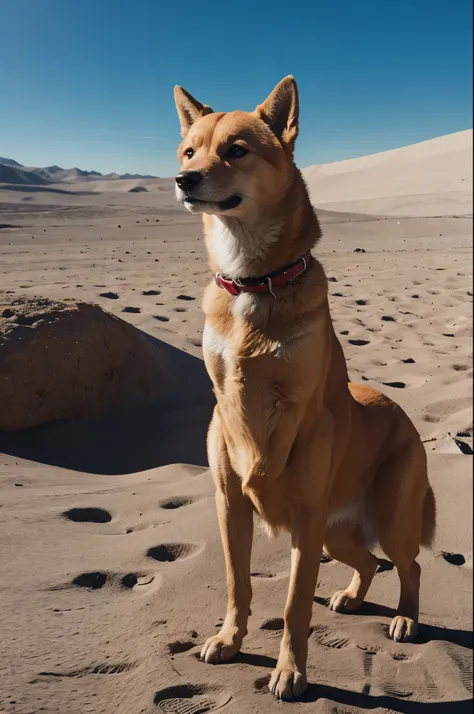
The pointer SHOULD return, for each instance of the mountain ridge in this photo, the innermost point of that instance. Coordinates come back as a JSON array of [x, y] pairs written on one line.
[[13, 172]]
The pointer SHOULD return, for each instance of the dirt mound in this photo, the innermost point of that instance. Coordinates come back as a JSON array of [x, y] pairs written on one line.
[[69, 360]]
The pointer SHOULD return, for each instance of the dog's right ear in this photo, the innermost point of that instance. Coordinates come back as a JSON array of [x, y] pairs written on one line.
[[189, 109]]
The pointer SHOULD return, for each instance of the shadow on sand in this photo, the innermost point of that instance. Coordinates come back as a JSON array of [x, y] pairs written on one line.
[[427, 633], [29, 188], [170, 430]]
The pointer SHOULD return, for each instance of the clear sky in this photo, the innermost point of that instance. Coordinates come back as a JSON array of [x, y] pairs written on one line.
[[89, 83]]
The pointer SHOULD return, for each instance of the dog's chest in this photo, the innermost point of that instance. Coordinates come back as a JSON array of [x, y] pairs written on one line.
[[226, 354]]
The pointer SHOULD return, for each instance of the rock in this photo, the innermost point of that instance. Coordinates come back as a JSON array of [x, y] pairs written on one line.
[[64, 360], [137, 189]]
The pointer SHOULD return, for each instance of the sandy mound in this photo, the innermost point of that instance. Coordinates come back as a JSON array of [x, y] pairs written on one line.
[[69, 360]]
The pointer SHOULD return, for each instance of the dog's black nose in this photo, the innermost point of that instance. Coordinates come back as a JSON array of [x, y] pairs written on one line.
[[188, 179]]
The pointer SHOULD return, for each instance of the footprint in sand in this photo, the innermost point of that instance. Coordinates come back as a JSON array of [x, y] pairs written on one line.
[[109, 668], [431, 418], [395, 385], [454, 558], [273, 624], [191, 698], [169, 552], [177, 502], [97, 579], [180, 646], [463, 447], [88, 515], [326, 637], [359, 343]]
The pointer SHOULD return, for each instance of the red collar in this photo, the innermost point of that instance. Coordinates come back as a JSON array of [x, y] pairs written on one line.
[[266, 283]]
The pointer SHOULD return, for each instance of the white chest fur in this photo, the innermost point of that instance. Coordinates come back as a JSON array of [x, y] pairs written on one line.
[[235, 245], [215, 344]]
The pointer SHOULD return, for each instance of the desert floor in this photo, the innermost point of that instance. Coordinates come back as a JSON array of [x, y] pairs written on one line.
[[104, 608]]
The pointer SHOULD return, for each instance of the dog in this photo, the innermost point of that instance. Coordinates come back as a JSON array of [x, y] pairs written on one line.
[[338, 465]]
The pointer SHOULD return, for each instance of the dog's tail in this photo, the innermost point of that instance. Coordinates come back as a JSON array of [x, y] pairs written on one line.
[[428, 527]]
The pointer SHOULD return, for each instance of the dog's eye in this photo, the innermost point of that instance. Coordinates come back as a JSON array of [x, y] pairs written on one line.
[[189, 153], [235, 152]]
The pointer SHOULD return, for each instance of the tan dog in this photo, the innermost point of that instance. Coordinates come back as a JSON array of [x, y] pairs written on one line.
[[334, 463]]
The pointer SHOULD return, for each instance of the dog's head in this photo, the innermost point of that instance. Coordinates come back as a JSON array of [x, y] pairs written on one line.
[[236, 163]]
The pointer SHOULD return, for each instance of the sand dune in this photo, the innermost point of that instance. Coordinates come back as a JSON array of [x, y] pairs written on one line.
[[433, 178], [112, 573]]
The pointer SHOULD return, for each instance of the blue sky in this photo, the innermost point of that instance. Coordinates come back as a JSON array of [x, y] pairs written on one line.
[[89, 83]]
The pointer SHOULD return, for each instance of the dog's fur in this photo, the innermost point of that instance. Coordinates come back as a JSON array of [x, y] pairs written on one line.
[[336, 464]]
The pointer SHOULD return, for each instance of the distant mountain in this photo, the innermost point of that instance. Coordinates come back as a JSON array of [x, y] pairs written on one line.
[[14, 173], [137, 176], [21, 176], [9, 162]]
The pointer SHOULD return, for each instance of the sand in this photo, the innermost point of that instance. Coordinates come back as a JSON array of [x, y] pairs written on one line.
[[111, 568]]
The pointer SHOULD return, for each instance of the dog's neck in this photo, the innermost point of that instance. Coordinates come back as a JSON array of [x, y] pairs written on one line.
[[238, 248], [266, 241]]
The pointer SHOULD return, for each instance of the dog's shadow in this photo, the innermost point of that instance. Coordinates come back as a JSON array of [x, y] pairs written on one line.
[[427, 633], [365, 701], [382, 703]]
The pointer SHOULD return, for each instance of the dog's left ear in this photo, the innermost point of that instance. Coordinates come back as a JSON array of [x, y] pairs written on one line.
[[280, 111], [189, 109]]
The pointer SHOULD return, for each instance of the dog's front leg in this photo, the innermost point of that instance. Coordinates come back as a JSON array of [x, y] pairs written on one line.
[[235, 514], [289, 678]]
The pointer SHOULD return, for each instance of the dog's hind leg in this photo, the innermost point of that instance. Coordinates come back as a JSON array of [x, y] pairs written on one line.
[[346, 542], [404, 511]]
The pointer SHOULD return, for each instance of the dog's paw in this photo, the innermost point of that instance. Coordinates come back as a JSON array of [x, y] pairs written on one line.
[[287, 683], [403, 629], [343, 601], [219, 648]]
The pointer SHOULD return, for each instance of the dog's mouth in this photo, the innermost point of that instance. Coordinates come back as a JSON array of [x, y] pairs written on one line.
[[226, 205]]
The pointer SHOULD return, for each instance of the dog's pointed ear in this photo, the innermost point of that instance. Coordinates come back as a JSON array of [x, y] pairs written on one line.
[[280, 111], [189, 109]]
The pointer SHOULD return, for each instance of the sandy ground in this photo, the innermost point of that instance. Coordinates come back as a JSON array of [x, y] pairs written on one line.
[[112, 574]]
